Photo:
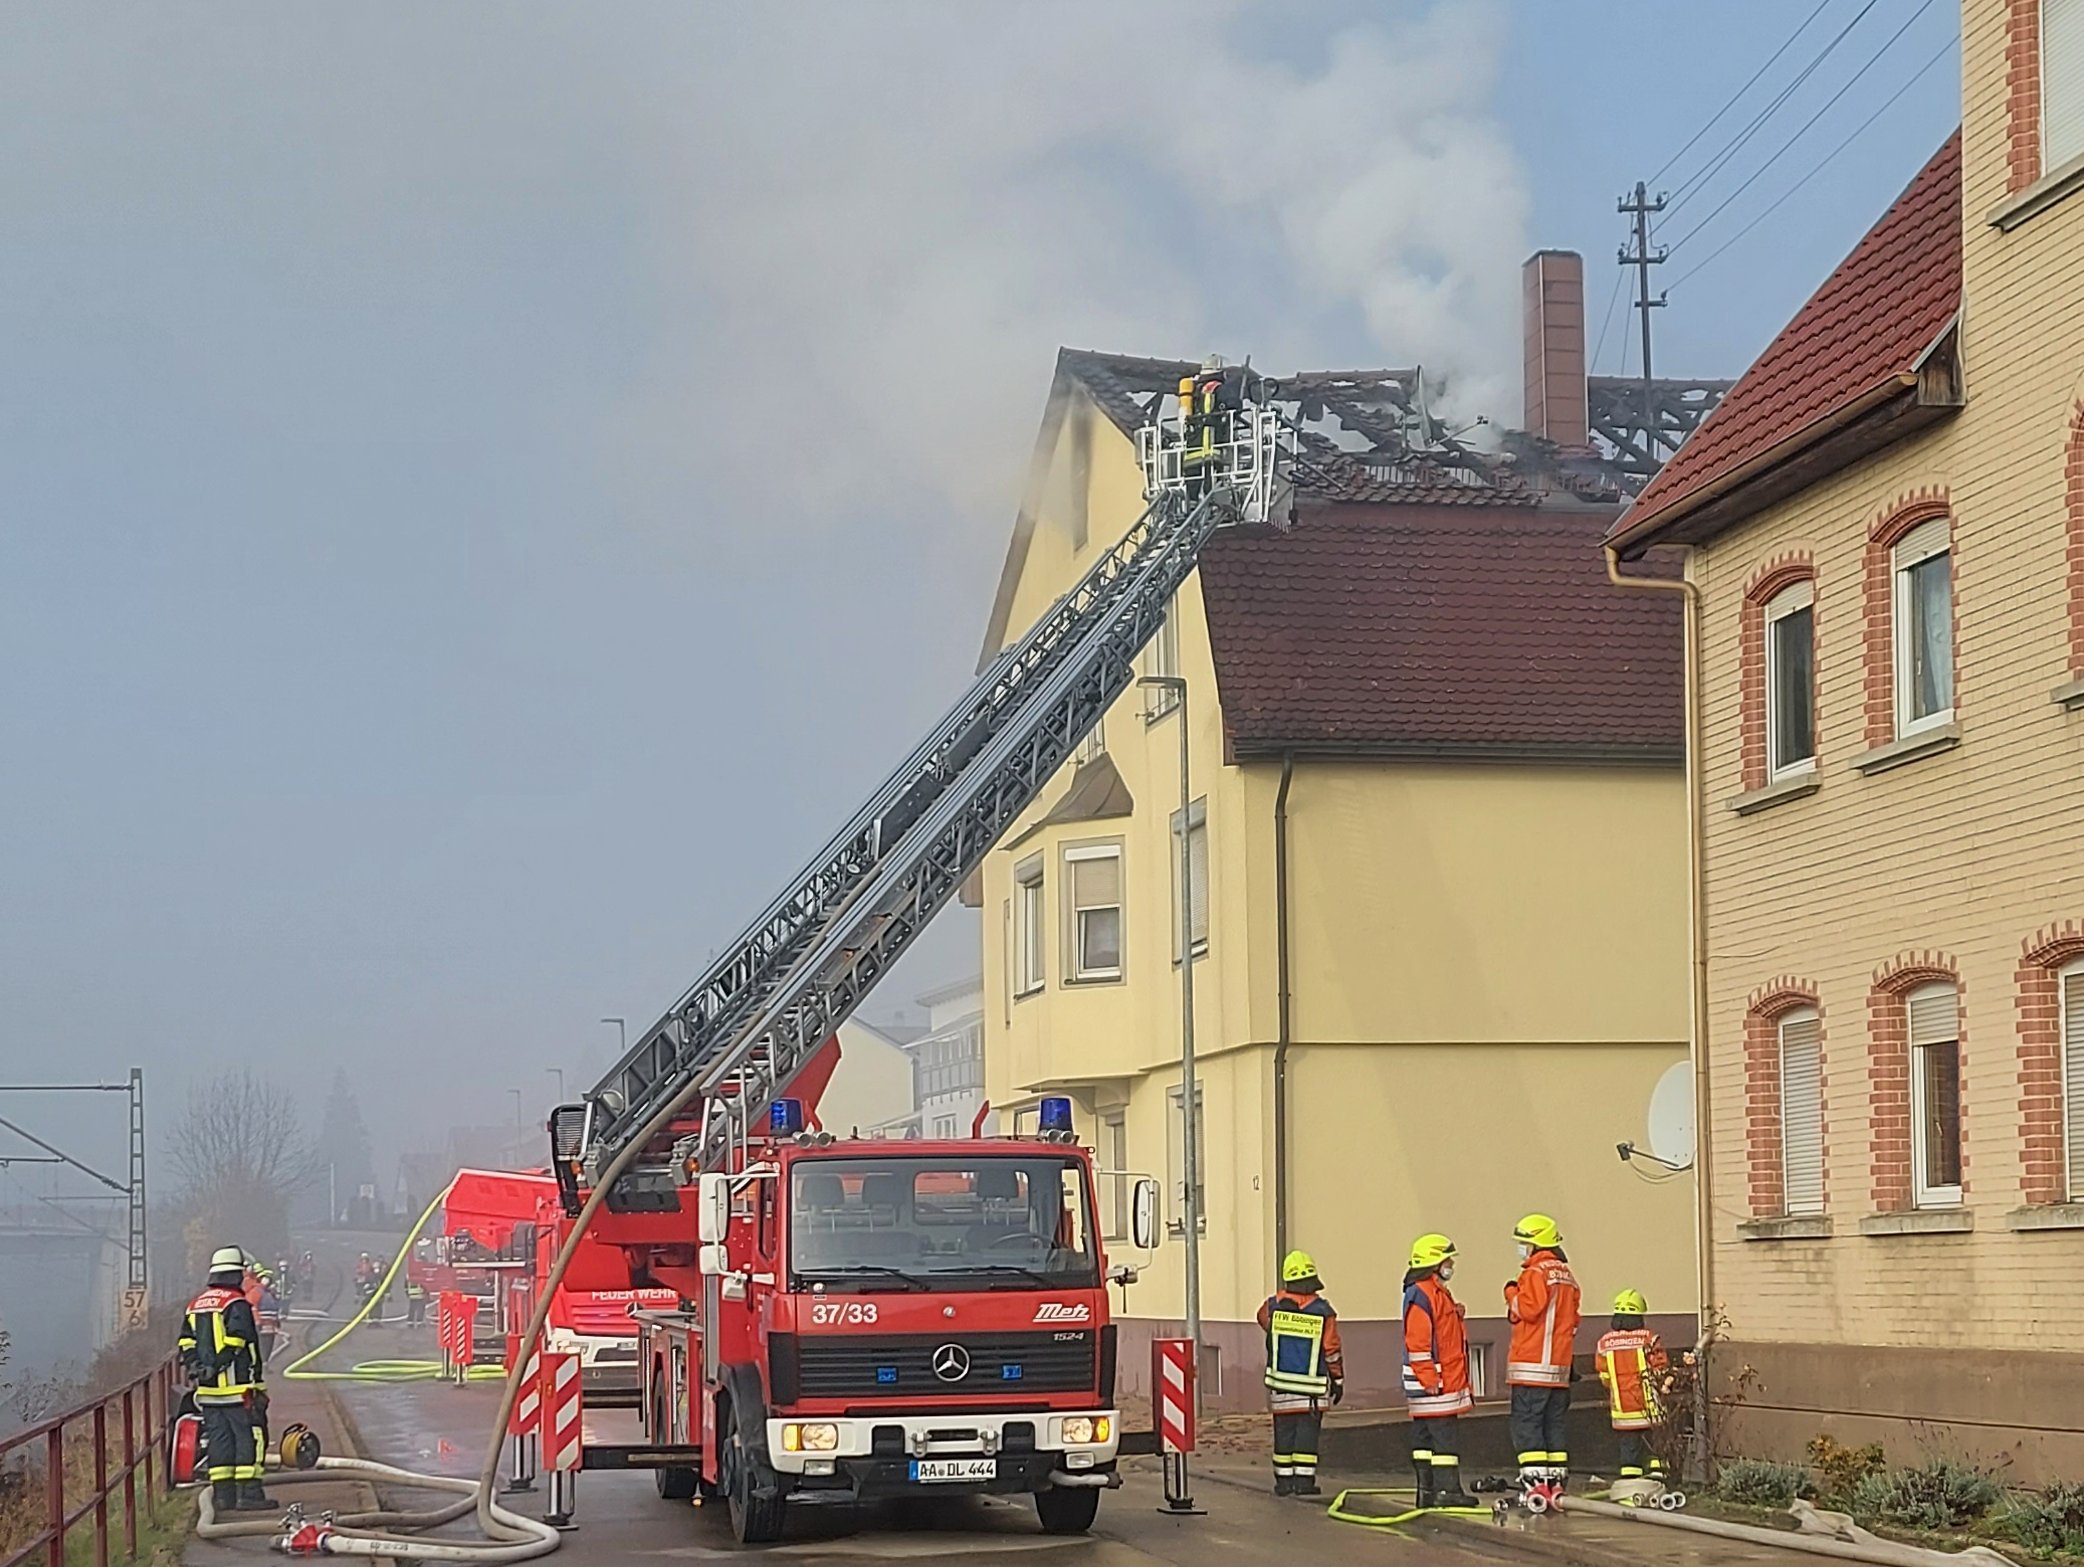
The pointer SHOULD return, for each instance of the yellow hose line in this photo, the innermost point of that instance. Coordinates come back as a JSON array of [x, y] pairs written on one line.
[[379, 1370], [1339, 1511]]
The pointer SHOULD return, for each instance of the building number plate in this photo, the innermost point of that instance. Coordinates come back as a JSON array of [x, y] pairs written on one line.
[[929, 1470]]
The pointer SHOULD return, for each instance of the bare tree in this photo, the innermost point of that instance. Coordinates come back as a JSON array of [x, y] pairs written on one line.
[[240, 1130]]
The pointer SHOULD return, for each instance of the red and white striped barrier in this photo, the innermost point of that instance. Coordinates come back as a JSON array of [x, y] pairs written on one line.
[[466, 1334], [1172, 1393], [528, 1402], [561, 1412], [445, 1327]]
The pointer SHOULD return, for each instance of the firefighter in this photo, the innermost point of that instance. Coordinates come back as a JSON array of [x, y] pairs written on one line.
[[1631, 1361], [221, 1352], [268, 1313], [1209, 403], [1436, 1372], [1542, 1306], [1305, 1371]]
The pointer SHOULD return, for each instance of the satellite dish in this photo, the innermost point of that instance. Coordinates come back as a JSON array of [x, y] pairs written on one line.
[[1671, 1115]]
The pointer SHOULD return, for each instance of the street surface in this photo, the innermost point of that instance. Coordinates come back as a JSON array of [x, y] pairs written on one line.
[[437, 1428]]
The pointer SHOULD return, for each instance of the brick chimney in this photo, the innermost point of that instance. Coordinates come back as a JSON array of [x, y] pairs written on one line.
[[1553, 315]]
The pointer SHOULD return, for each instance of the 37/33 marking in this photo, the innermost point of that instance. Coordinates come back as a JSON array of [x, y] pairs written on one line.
[[824, 1313]]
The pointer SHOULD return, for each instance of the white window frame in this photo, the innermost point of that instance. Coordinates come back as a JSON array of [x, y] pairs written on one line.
[[2069, 1044], [1790, 1204], [1075, 971], [1113, 1163], [1924, 1194], [1927, 541], [1176, 1158], [2054, 157], [1203, 887], [1162, 662], [1796, 596], [1030, 929]]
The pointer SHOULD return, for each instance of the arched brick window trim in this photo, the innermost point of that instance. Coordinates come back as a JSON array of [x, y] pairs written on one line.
[[1762, 1014], [1888, 1072], [2073, 498], [2022, 70], [2043, 1160], [1782, 571], [1886, 530]]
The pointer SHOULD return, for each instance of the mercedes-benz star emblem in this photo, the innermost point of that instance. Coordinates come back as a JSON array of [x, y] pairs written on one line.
[[951, 1362]]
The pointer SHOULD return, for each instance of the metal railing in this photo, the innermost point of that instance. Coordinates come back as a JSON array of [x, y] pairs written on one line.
[[91, 1455]]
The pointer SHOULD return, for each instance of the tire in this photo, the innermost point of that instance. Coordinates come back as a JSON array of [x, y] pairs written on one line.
[[1067, 1509], [755, 1520], [675, 1484]]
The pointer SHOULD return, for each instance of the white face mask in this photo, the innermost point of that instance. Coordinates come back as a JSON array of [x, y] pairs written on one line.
[[1526, 1251], [1446, 1271]]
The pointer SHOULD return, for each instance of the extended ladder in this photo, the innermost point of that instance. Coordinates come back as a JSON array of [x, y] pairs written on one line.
[[750, 1023]]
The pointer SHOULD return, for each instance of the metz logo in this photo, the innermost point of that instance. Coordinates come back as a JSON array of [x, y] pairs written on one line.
[[1057, 1311]]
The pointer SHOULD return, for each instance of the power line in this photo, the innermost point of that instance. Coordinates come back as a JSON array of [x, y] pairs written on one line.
[[1739, 93], [1592, 365], [1818, 167], [1716, 164], [1872, 60]]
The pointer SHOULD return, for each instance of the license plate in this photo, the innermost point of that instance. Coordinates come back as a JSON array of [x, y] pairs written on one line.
[[930, 1470]]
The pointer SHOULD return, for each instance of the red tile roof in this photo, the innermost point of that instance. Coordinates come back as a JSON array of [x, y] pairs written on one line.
[[1871, 321], [1421, 629]]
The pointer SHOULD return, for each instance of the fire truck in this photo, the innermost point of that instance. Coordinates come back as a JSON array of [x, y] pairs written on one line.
[[862, 1318]]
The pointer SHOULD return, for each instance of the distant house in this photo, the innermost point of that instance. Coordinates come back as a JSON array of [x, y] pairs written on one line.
[[871, 1089], [949, 1058]]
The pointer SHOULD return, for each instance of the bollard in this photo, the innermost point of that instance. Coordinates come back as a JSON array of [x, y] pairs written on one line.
[[527, 1414], [562, 1422], [1172, 1406]]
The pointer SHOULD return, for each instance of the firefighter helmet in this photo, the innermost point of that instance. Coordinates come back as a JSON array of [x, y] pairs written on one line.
[[1630, 1303], [1539, 1231], [1297, 1266], [1429, 1251], [225, 1258]]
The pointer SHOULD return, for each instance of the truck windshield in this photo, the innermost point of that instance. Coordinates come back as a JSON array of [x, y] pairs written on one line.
[[991, 1222]]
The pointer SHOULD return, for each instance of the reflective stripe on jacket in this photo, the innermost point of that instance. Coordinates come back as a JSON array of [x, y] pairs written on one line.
[[1542, 1305], [220, 1346], [1628, 1360], [1436, 1352], [1302, 1344]]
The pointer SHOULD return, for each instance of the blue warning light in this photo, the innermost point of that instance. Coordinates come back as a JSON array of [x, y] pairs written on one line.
[[1056, 1114], [786, 1118]]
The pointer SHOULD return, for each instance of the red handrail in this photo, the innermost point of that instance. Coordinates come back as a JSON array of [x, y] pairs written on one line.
[[139, 1431]]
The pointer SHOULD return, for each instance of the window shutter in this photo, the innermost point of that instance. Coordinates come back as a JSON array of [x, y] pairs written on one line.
[[2062, 82], [2073, 1071], [1096, 881], [1801, 1115], [1935, 1016]]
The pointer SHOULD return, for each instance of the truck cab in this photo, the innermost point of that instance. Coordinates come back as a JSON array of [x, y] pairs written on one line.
[[881, 1318]]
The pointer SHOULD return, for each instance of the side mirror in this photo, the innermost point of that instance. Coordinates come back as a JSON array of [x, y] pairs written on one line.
[[1143, 1219], [713, 1203], [713, 1261]]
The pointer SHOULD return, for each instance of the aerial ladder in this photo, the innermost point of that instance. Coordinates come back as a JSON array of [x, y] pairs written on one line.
[[696, 1081]]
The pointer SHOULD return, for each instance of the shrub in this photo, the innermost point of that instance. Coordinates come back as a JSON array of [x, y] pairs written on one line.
[[1942, 1494], [1840, 1469], [1758, 1482], [2050, 1520]]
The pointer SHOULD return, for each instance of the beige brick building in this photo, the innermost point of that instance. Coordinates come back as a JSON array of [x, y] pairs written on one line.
[[1885, 525]]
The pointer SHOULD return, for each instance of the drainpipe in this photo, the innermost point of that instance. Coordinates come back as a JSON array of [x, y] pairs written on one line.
[[1282, 1039], [1697, 920]]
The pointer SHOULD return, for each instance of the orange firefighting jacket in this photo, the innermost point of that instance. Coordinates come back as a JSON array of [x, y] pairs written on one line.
[[1436, 1352], [1629, 1360], [1542, 1305]]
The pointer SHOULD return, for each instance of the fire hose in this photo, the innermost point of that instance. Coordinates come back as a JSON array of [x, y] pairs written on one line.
[[509, 1537]]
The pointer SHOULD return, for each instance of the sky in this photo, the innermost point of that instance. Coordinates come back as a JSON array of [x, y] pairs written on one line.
[[485, 490]]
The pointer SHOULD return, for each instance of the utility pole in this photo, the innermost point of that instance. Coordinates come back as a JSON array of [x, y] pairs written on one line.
[[137, 1294], [1642, 258]]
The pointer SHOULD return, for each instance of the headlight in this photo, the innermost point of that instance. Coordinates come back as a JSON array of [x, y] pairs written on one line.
[[1083, 1430], [811, 1438]]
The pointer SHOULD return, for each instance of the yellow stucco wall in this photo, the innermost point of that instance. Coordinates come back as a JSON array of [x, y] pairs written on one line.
[[1489, 978], [1966, 853]]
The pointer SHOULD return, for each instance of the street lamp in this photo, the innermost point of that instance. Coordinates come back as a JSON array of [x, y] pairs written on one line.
[[622, 1036], [1190, 1096], [558, 1073]]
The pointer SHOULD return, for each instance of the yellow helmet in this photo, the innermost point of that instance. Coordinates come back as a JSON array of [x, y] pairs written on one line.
[[1539, 1231], [1429, 1251], [1297, 1266], [1630, 1303]]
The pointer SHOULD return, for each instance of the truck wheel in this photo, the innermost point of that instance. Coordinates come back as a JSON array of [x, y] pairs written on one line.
[[755, 1520], [1067, 1509], [675, 1484]]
